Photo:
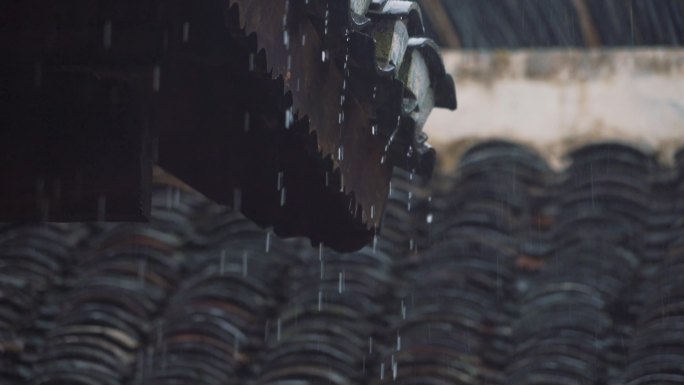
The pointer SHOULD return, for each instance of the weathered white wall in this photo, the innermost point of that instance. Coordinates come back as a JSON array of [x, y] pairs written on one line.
[[555, 99]]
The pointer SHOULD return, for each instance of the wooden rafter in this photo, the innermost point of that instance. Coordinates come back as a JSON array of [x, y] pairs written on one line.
[[442, 24]]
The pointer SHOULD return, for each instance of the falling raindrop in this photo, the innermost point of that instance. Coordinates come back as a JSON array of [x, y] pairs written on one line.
[[289, 118], [246, 121], [322, 268], [340, 284], [281, 176], [282, 197], [320, 300], [374, 129], [375, 243], [268, 241], [107, 35], [156, 78], [403, 310], [382, 371], [429, 218], [186, 32], [320, 251], [278, 329], [398, 342], [251, 62]]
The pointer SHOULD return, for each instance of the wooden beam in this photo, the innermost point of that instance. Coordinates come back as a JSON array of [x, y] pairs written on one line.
[[441, 23], [591, 36]]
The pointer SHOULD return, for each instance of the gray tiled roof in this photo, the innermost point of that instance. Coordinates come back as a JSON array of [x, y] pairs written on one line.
[[505, 272], [562, 23]]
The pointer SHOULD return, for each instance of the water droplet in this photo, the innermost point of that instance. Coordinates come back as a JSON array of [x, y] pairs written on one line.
[[156, 78], [282, 197], [324, 56], [322, 269], [403, 310], [246, 121], [303, 40], [340, 284], [320, 251], [382, 371], [245, 263], [268, 241], [107, 34], [320, 300], [429, 218], [395, 370], [186, 32], [374, 129], [281, 176], [278, 329], [398, 342], [251, 62], [289, 118]]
